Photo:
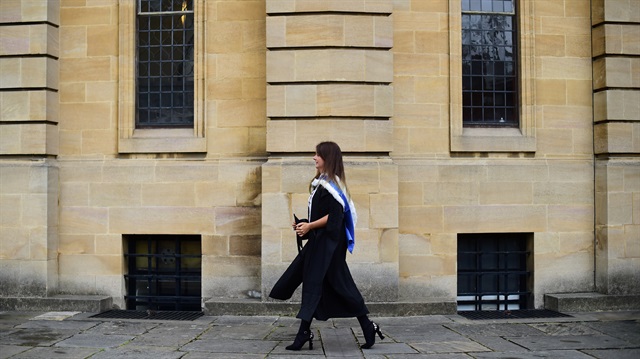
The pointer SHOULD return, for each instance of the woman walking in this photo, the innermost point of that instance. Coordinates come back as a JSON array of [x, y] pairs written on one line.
[[328, 290]]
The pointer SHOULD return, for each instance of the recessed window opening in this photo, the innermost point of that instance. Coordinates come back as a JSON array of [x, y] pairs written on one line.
[[489, 64], [495, 271], [164, 272], [164, 58]]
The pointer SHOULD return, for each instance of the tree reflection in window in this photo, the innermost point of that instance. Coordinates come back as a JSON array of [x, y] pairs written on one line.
[[164, 85], [489, 63]]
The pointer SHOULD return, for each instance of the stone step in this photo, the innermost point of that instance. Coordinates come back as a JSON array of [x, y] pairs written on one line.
[[78, 303], [226, 306], [590, 302]]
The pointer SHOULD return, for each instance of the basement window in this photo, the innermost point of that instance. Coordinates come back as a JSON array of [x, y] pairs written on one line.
[[164, 272], [495, 271]]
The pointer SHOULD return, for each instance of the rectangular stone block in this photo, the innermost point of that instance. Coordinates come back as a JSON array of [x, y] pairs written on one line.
[[29, 40], [562, 193], [84, 220], [237, 220], [620, 72], [333, 100], [91, 264], [303, 135], [28, 139], [88, 15], [421, 219], [77, 244], [115, 194], [383, 210], [570, 218], [87, 69], [620, 137], [353, 65], [290, 6], [617, 105], [30, 11], [168, 194], [159, 220], [495, 218], [41, 72], [329, 30], [212, 194], [505, 193]]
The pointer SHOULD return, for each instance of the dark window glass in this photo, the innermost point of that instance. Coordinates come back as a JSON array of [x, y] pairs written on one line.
[[164, 272], [164, 83], [489, 66], [494, 271]]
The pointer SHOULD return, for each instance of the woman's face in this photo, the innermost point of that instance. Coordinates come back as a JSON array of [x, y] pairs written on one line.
[[319, 162]]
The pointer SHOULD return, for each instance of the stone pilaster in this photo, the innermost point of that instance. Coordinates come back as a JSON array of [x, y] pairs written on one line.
[[616, 84], [28, 146], [329, 77]]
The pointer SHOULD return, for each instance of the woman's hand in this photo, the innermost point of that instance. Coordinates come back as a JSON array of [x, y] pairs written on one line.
[[302, 228]]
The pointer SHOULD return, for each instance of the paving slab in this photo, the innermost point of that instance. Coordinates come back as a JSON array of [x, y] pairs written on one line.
[[280, 351], [95, 341], [241, 320], [230, 346], [286, 334], [543, 343], [417, 333], [558, 329], [615, 353], [497, 343], [56, 353], [170, 335], [246, 331], [139, 352], [339, 343], [495, 329], [75, 326], [456, 346], [11, 319], [554, 354], [389, 349], [419, 356], [35, 337], [416, 320], [55, 316], [628, 330], [196, 355], [7, 351], [122, 328]]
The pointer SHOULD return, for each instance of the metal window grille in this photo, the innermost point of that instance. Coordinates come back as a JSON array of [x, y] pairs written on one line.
[[494, 271], [489, 63], [165, 87], [164, 272]]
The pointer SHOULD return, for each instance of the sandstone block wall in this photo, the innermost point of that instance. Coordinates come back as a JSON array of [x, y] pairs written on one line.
[[616, 93], [29, 84], [329, 74], [274, 78]]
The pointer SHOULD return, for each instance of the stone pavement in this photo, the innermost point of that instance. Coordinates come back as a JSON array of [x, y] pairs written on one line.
[[69, 335]]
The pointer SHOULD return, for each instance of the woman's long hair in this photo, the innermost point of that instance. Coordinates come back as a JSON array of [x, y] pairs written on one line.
[[333, 166]]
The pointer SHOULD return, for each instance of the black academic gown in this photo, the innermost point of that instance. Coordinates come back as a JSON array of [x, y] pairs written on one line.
[[328, 289]]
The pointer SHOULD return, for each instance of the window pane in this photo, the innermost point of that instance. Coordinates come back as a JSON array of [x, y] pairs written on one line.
[[165, 63], [489, 64]]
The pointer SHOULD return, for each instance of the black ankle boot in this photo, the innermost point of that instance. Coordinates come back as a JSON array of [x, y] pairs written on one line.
[[301, 338], [370, 332]]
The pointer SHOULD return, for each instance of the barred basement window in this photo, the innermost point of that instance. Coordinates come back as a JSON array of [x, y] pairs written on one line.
[[489, 63], [495, 271], [165, 64], [164, 272]]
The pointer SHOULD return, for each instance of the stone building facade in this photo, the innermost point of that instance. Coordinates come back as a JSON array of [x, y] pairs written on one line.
[[84, 188]]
